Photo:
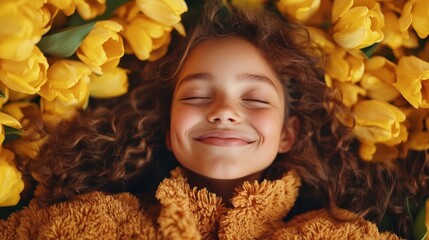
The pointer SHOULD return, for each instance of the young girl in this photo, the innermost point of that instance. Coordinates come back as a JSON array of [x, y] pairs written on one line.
[[216, 143]]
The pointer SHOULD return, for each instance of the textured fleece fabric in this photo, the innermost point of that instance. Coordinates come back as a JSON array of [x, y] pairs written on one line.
[[186, 213]]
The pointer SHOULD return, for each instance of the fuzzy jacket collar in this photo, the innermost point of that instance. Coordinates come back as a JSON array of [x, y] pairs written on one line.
[[186, 213], [191, 213]]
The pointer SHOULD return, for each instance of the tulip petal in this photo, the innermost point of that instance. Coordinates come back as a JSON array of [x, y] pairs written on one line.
[[139, 40], [180, 28], [111, 84], [420, 18], [377, 121], [340, 8], [159, 11], [367, 150], [350, 40], [10, 121], [179, 6], [11, 184], [412, 74]]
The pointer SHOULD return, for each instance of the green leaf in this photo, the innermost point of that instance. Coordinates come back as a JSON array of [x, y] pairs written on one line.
[[11, 133], [369, 51], [419, 227], [2, 95], [65, 42]]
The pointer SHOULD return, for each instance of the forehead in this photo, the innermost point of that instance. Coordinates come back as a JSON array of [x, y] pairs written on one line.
[[229, 55]]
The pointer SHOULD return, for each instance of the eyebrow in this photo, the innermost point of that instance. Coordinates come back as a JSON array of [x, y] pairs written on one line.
[[193, 77], [257, 78], [242, 77]]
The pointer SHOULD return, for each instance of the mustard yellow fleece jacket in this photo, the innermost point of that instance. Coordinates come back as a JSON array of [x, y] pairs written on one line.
[[185, 213]]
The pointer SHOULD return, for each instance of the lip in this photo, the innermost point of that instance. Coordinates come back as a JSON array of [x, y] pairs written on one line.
[[224, 138]]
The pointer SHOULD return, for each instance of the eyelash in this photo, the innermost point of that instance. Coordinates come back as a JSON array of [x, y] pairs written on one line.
[[206, 100], [256, 100], [196, 100], [192, 98]]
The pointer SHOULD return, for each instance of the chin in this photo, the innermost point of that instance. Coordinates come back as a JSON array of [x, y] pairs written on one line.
[[225, 174]]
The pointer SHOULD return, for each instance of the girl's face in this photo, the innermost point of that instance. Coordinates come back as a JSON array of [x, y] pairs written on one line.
[[227, 114]]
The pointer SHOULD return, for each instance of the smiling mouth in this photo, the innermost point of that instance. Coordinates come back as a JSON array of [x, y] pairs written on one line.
[[226, 139], [229, 142]]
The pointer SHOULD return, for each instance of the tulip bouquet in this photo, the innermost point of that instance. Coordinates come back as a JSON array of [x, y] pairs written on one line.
[[377, 58], [56, 55]]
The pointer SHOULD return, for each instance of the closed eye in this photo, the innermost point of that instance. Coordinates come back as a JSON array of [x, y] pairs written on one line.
[[255, 103], [256, 100], [196, 100]]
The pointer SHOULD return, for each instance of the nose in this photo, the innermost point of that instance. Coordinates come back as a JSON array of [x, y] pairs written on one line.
[[223, 111]]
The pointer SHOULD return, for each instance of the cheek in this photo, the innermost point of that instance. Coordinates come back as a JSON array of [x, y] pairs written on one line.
[[269, 125], [183, 118]]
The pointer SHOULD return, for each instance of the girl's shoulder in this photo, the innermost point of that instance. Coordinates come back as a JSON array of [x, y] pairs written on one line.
[[319, 224], [96, 215]]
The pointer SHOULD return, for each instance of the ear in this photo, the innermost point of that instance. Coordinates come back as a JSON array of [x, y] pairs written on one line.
[[168, 140], [289, 134]]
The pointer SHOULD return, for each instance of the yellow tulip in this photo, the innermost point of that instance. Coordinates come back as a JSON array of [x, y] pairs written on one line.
[[378, 79], [138, 39], [418, 141], [367, 150], [144, 35], [102, 48], [68, 7], [48, 14], [344, 67], [383, 151], [62, 4], [412, 80], [20, 30], [418, 124], [322, 15], [7, 120], [350, 93], [394, 37], [14, 109], [68, 82], [357, 23], [55, 111], [301, 10], [111, 84], [126, 12], [29, 143], [11, 184], [166, 12], [89, 9], [25, 76], [400, 138], [377, 121], [415, 13], [378, 152], [321, 38], [145, 38], [160, 46]]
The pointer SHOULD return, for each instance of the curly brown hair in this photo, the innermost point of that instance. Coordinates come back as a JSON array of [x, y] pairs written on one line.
[[120, 146]]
